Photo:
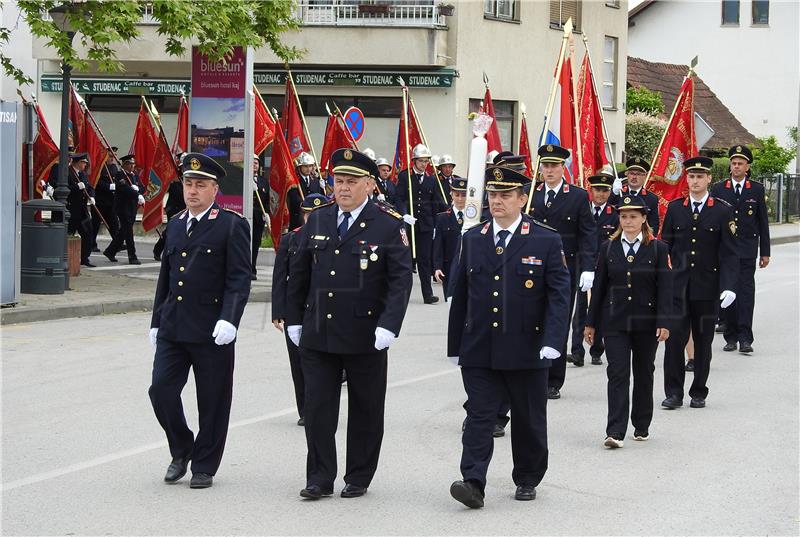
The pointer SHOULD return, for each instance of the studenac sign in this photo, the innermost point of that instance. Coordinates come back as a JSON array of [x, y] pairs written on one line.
[[119, 86]]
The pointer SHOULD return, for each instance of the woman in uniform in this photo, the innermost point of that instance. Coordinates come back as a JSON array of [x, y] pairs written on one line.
[[631, 300]]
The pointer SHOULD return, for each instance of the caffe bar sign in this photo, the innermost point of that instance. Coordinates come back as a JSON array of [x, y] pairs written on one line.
[[119, 86]]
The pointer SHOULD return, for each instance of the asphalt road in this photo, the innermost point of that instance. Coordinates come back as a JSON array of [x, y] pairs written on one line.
[[83, 454]]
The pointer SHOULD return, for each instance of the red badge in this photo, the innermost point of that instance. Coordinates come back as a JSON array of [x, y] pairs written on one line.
[[213, 214], [526, 228]]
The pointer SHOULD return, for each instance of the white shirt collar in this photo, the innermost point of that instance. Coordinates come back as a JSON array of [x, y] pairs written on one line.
[[556, 189], [511, 229], [197, 217], [354, 213], [636, 238], [593, 205], [457, 210], [701, 200], [740, 183]]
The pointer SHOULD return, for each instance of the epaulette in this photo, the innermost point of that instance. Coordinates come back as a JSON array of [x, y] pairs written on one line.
[[388, 209], [542, 224], [722, 201], [234, 212], [295, 230], [179, 214]]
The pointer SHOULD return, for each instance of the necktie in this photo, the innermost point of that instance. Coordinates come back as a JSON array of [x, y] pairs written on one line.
[[630, 246], [502, 235], [697, 205], [460, 217], [192, 223], [343, 225], [738, 191], [634, 192], [551, 195], [596, 213]]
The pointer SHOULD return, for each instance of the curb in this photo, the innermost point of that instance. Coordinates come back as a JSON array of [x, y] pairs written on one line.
[[784, 240]]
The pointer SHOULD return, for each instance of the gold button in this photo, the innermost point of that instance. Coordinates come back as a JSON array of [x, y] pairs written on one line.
[[180, 298], [183, 254], [691, 264], [333, 273], [362, 224], [694, 228], [495, 293], [649, 303], [545, 220], [629, 273], [208, 251], [336, 252], [496, 277], [369, 312], [692, 252], [182, 269], [495, 324], [330, 295], [530, 272], [180, 283], [495, 310], [630, 298], [629, 285], [329, 316]]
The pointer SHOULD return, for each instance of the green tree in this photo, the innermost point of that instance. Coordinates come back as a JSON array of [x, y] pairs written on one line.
[[215, 26], [642, 99], [769, 157], [642, 134]]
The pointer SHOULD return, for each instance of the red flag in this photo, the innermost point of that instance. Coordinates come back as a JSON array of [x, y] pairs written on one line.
[[493, 136], [144, 140], [92, 143], [292, 122], [77, 122], [45, 156], [264, 125], [590, 122], [181, 142], [281, 179], [525, 146], [160, 172], [336, 137], [402, 153], [668, 176]]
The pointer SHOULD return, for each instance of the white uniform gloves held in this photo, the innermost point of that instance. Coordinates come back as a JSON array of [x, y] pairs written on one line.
[[408, 219], [727, 298], [50, 190], [92, 201], [81, 186], [381, 197], [153, 336], [548, 353], [141, 199], [135, 188], [224, 332], [383, 338], [112, 187], [586, 281], [616, 188], [294, 332]]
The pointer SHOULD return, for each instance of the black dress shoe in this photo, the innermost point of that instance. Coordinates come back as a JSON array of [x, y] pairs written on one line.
[[568, 358], [672, 402], [745, 348], [87, 263], [525, 493], [176, 469], [110, 256], [253, 277], [201, 480], [95, 250], [729, 347], [577, 360], [314, 492], [134, 261], [689, 365], [301, 422], [431, 299], [697, 402], [553, 393], [353, 491], [499, 431], [467, 493], [720, 329], [596, 360]]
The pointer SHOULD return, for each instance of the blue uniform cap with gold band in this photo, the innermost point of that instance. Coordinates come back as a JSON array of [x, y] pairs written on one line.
[[128, 158], [553, 153], [500, 178], [80, 157], [352, 162], [601, 181], [701, 164], [637, 163], [199, 166], [510, 160], [458, 183], [741, 151], [314, 201], [632, 202]]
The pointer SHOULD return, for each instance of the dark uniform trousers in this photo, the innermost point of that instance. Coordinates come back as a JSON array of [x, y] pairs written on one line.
[[705, 263], [632, 297], [505, 308], [752, 235], [340, 290], [298, 379], [204, 277], [126, 205], [569, 214]]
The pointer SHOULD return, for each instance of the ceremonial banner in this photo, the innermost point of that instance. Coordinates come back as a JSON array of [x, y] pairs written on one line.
[[181, 142], [45, 156], [402, 153], [77, 121], [292, 123], [493, 136], [92, 143], [336, 137], [264, 125], [590, 122], [525, 146], [562, 126], [281, 179]]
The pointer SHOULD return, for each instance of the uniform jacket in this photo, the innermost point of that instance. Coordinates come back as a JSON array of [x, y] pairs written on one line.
[[293, 202], [76, 199], [175, 202], [204, 277], [310, 185], [750, 215], [126, 199], [631, 293], [607, 224], [341, 290], [445, 240], [702, 251], [571, 217], [280, 274], [650, 199], [389, 190], [445, 182], [103, 193], [505, 308], [426, 196]]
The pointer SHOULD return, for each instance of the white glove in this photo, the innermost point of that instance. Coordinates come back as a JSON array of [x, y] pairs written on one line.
[[49, 190], [381, 197], [92, 201], [586, 281], [141, 199], [548, 353], [453, 359], [135, 188], [224, 332], [153, 336], [383, 338], [617, 186], [408, 219], [81, 186], [112, 187], [727, 298], [294, 332]]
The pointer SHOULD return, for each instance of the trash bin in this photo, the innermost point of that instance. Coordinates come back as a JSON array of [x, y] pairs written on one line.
[[43, 268]]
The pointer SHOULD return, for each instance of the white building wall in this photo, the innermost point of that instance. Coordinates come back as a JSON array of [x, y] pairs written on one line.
[[19, 50], [753, 70]]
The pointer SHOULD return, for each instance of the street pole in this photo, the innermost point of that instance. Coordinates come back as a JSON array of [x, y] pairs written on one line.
[[62, 191]]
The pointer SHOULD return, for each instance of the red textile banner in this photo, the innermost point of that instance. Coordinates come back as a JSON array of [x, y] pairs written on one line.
[[281, 179], [525, 146], [590, 123], [45, 156], [493, 136], [264, 125], [292, 123], [336, 137], [181, 142], [402, 153]]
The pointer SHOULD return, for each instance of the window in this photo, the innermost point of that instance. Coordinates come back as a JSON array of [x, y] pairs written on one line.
[[612, 3], [130, 103], [730, 12], [504, 114], [608, 93], [563, 10], [760, 12], [501, 9]]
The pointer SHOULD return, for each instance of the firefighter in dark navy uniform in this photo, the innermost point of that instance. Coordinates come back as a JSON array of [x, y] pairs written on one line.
[[346, 299], [447, 234], [386, 187], [509, 308], [752, 238], [607, 221], [636, 169], [565, 207], [203, 287], [127, 198], [701, 234]]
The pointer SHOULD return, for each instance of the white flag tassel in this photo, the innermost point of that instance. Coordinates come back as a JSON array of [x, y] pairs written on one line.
[[478, 149]]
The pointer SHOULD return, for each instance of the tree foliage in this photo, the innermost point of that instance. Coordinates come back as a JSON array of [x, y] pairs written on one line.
[[643, 100], [642, 134], [215, 26], [769, 157]]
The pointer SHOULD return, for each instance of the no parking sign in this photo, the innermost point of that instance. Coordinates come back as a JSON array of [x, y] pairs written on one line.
[[354, 121]]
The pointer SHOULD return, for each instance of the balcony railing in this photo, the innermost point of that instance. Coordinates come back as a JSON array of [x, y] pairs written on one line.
[[365, 13]]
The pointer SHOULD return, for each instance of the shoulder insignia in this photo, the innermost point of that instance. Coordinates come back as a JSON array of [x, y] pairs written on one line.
[[388, 209], [295, 230], [526, 228], [727, 204], [609, 209], [485, 228], [747, 184], [233, 212], [540, 187], [728, 184], [542, 224], [566, 188], [182, 214]]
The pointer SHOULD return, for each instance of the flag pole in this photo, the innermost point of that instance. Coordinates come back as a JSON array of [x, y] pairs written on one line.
[[424, 141], [549, 109], [302, 116], [408, 169], [671, 116], [597, 95], [260, 98], [576, 119]]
